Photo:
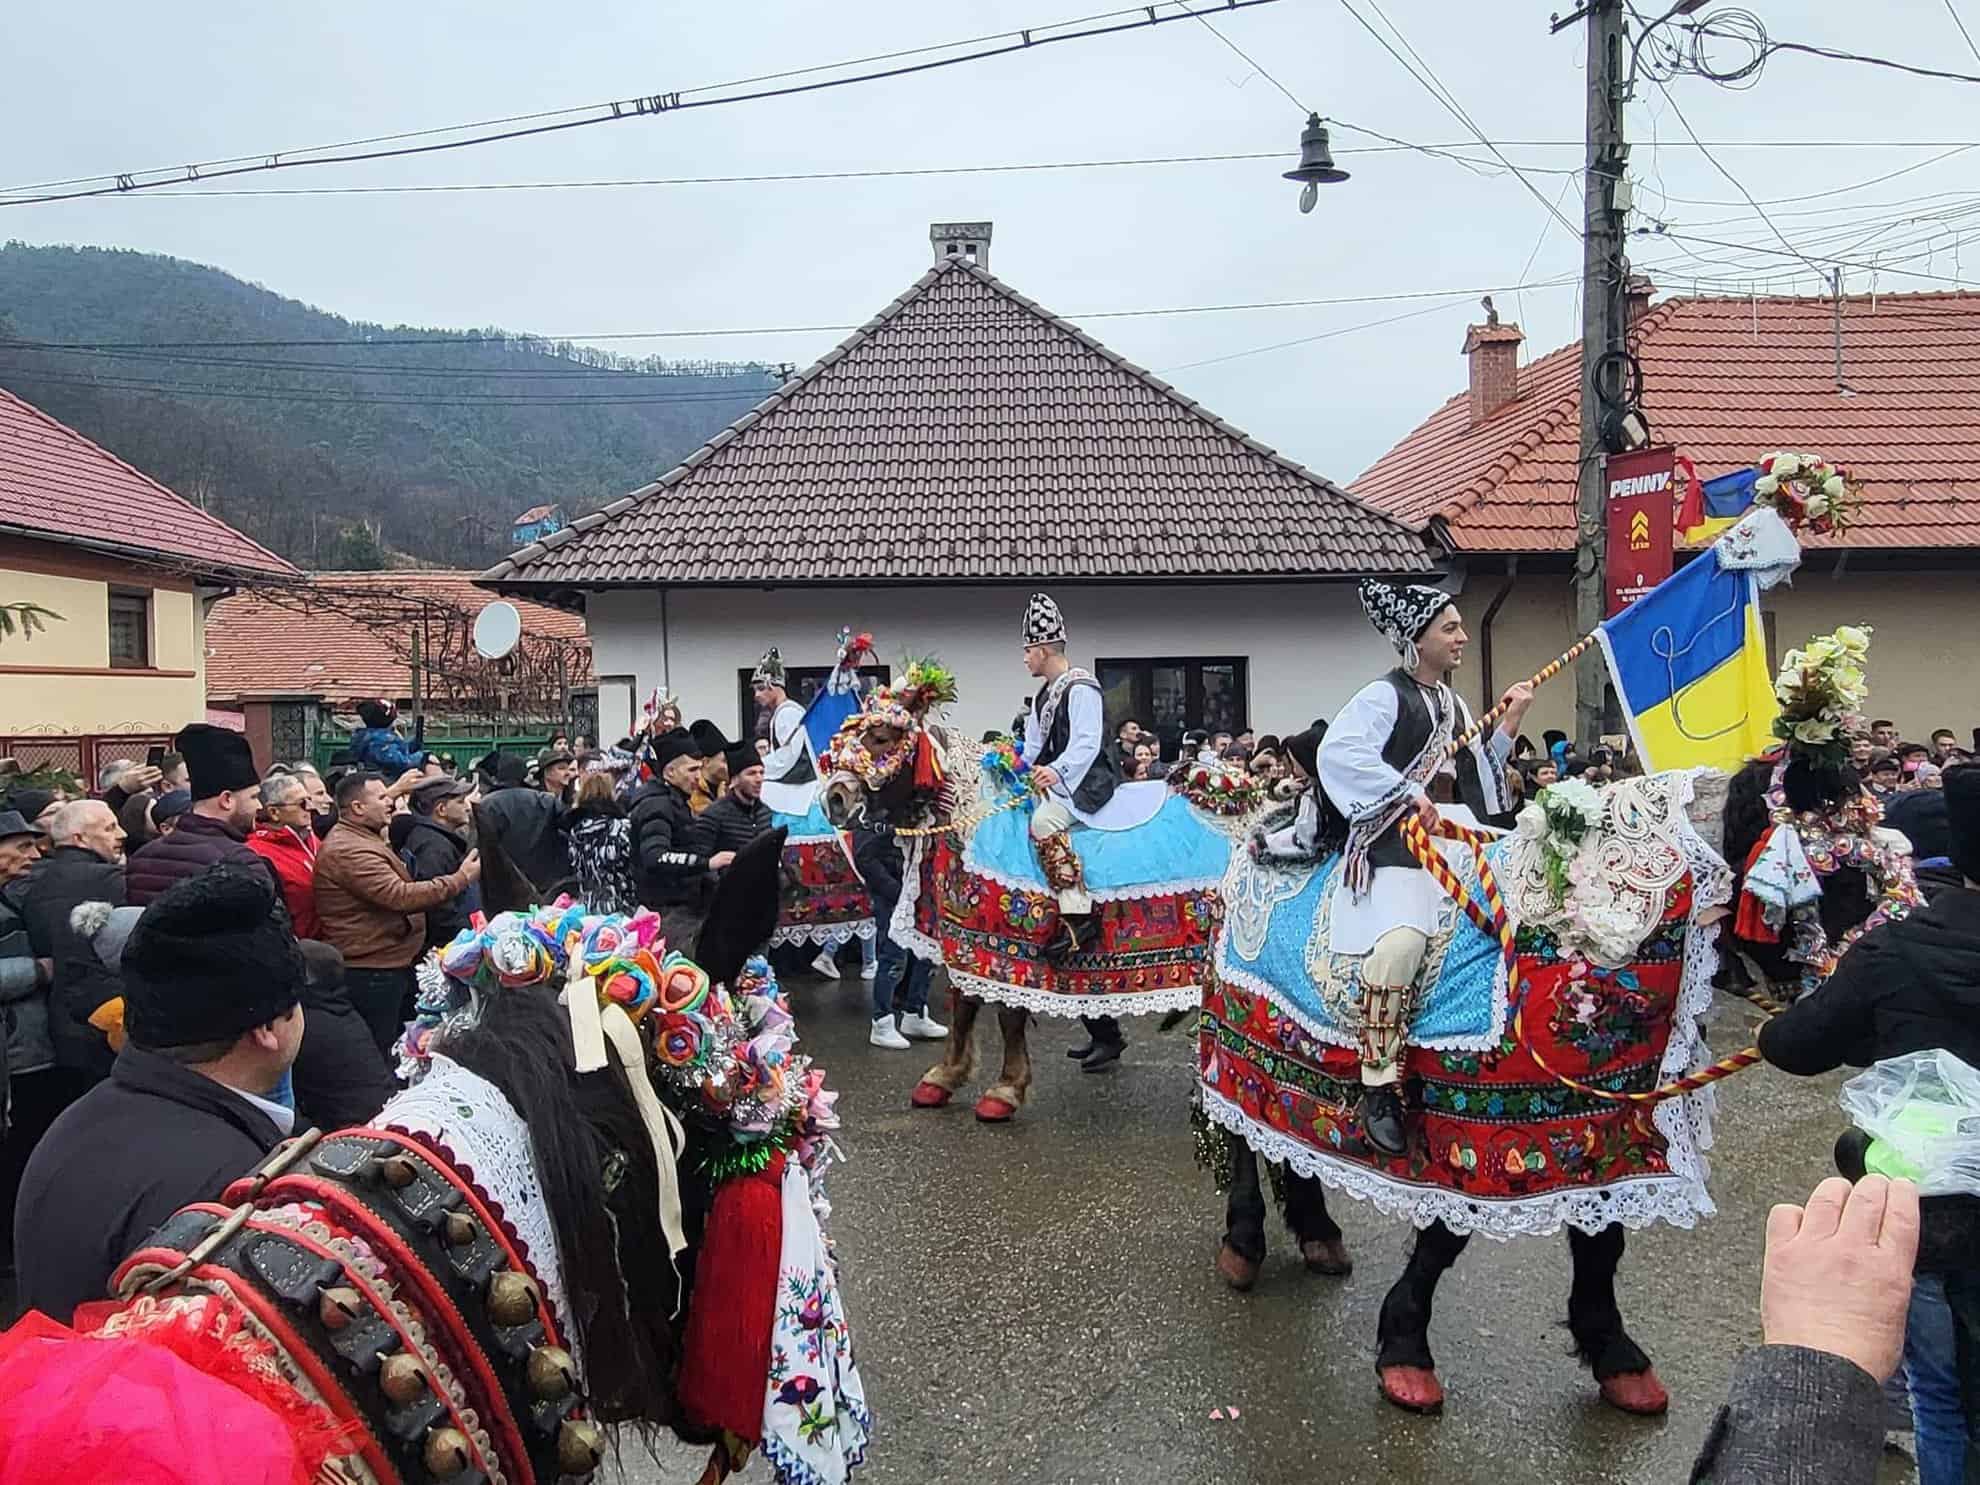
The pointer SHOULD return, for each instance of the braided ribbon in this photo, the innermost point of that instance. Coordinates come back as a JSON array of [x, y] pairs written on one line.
[[1553, 668], [943, 826], [1492, 919]]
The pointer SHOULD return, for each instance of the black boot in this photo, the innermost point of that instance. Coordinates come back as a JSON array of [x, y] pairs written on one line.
[[1382, 1120], [1108, 1043]]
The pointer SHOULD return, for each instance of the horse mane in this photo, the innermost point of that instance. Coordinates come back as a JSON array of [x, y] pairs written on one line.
[[601, 1190], [743, 912], [505, 888]]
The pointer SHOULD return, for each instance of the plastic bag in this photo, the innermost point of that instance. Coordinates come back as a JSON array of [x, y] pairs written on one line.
[[1922, 1111]]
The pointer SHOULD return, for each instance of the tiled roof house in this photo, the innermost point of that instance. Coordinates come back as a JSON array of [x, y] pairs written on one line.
[[1490, 476], [962, 447], [130, 568]]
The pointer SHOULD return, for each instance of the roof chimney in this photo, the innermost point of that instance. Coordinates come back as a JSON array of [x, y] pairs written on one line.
[[1493, 350], [969, 241], [1636, 297]]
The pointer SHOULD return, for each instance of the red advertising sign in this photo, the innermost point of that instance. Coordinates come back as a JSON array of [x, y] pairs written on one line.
[[1641, 510]]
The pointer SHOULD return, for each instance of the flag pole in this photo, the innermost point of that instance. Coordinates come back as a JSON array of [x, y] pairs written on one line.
[[1539, 678]]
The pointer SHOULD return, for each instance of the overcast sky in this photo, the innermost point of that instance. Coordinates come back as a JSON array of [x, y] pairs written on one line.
[[118, 86]]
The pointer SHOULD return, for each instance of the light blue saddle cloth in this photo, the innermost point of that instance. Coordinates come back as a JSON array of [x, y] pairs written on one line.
[[1174, 851], [1271, 943], [808, 826]]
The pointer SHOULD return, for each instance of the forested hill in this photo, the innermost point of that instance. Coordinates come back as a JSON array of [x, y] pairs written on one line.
[[416, 441]]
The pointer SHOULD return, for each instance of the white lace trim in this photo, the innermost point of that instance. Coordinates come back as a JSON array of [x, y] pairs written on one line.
[[901, 928], [825, 935], [1052, 1003], [1635, 1203]]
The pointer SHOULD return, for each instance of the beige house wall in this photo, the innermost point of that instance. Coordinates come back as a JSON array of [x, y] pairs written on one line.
[[1922, 673], [61, 681]]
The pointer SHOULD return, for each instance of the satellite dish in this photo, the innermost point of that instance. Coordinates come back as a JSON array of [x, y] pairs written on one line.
[[497, 629]]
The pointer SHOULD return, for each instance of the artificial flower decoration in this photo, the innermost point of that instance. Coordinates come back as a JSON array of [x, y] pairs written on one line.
[[1821, 690], [1806, 490]]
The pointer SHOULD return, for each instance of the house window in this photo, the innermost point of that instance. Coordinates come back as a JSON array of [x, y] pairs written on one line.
[[801, 683], [1173, 694], [130, 629]]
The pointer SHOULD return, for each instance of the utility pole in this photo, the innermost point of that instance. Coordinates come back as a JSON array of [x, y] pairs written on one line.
[[1604, 328]]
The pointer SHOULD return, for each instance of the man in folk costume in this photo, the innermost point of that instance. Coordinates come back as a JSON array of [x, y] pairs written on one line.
[[1075, 774], [789, 761], [1387, 757]]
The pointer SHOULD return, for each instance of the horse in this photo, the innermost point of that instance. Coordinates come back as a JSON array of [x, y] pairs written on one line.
[[975, 902], [390, 1303], [1518, 1071]]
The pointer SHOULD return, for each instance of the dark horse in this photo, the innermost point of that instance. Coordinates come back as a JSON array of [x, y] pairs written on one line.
[[392, 1310]]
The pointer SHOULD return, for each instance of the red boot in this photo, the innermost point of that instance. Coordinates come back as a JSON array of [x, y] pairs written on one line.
[[1414, 1389], [929, 1095], [1637, 1392]]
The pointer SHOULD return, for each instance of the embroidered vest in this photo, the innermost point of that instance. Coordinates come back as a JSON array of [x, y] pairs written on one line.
[[1104, 776], [1412, 732]]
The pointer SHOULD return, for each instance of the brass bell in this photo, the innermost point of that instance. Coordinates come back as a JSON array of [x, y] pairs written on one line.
[[339, 1306], [511, 1298], [580, 1446], [460, 1229], [446, 1454], [552, 1374], [402, 1378], [397, 1171]]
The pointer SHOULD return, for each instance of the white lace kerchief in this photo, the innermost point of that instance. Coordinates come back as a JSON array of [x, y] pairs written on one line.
[[488, 1142]]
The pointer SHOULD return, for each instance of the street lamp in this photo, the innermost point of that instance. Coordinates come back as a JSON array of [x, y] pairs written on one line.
[[1316, 163]]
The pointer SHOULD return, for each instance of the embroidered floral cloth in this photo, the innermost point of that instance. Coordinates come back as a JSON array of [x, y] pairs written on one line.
[[815, 1420]]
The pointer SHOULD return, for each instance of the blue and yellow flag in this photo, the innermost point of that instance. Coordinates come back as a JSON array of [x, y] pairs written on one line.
[[1689, 662], [1712, 506]]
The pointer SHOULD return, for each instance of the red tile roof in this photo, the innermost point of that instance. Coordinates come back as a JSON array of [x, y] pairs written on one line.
[[256, 646], [55, 485], [1726, 380], [966, 433]]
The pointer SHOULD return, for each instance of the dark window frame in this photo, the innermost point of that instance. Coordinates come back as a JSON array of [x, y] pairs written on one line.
[[1142, 687], [801, 683], [135, 603]]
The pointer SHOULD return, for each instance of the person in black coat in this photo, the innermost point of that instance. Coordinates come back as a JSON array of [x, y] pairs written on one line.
[[673, 866], [431, 839], [85, 865], [740, 815], [226, 792], [522, 821], [341, 1078], [212, 990]]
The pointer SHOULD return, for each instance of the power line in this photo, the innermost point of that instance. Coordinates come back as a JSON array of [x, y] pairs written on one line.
[[335, 399], [1252, 62], [1451, 106], [1965, 34], [645, 106], [498, 339]]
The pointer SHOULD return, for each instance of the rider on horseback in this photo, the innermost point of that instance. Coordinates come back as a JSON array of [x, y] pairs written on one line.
[[1386, 757]]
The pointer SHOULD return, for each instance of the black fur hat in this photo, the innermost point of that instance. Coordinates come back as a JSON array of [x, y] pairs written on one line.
[[209, 960], [668, 746], [218, 760]]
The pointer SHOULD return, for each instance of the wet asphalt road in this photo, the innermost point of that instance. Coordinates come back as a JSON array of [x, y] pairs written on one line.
[[1037, 1302]]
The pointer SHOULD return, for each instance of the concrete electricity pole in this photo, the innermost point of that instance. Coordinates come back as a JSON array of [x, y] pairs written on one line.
[[1604, 328]]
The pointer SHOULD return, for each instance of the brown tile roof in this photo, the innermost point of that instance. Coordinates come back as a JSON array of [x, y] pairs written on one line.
[[966, 433], [1726, 380], [256, 646], [55, 485]]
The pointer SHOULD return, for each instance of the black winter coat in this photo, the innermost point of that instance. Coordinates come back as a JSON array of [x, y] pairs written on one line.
[[195, 845], [341, 1078], [880, 863], [1909, 986], [119, 1161], [523, 821], [431, 850], [728, 824], [670, 860], [66, 876], [602, 857]]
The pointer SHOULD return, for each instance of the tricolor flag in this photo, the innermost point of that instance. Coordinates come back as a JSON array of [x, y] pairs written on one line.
[[1689, 662], [1711, 506]]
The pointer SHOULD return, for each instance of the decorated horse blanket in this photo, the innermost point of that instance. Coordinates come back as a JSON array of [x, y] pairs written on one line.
[[1500, 1144], [824, 902], [982, 908]]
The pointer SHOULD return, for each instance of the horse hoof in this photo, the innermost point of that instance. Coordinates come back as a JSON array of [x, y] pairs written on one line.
[[1329, 1258], [928, 1095], [994, 1110], [1415, 1389], [1636, 1392], [1238, 1271]]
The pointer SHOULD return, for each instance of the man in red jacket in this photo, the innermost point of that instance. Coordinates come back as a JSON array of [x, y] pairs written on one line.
[[283, 837]]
